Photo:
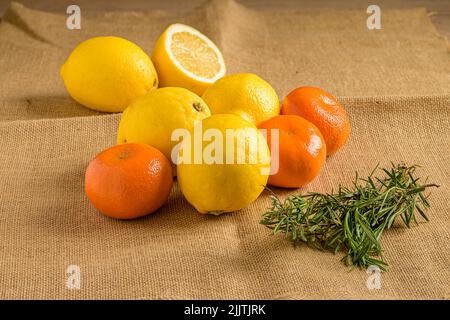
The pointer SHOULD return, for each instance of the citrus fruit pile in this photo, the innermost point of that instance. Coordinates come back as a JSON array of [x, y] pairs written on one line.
[[223, 136]]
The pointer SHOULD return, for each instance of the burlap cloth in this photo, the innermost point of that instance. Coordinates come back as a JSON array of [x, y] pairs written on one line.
[[394, 82]]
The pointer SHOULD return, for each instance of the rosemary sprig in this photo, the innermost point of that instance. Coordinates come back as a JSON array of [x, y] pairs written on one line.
[[352, 219]]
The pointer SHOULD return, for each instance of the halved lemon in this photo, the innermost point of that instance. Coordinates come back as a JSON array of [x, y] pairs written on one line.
[[184, 57]]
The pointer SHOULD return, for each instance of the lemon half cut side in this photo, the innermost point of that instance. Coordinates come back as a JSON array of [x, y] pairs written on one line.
[[184, 57]]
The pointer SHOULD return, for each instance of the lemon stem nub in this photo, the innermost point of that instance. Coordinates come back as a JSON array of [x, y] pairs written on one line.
[[216, 213], [198, 106]]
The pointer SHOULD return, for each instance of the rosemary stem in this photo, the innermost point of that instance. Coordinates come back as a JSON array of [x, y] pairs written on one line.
[[353, 219]]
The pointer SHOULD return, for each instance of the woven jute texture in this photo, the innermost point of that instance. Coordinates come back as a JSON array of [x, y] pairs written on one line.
[[394, 83]]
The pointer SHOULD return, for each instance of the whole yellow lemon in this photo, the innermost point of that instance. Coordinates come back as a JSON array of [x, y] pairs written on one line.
[[108, 73], [224, 166], [154, 117], [243, 94]]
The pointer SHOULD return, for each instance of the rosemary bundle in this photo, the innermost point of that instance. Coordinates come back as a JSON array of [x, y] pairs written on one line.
[[352, 219]]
